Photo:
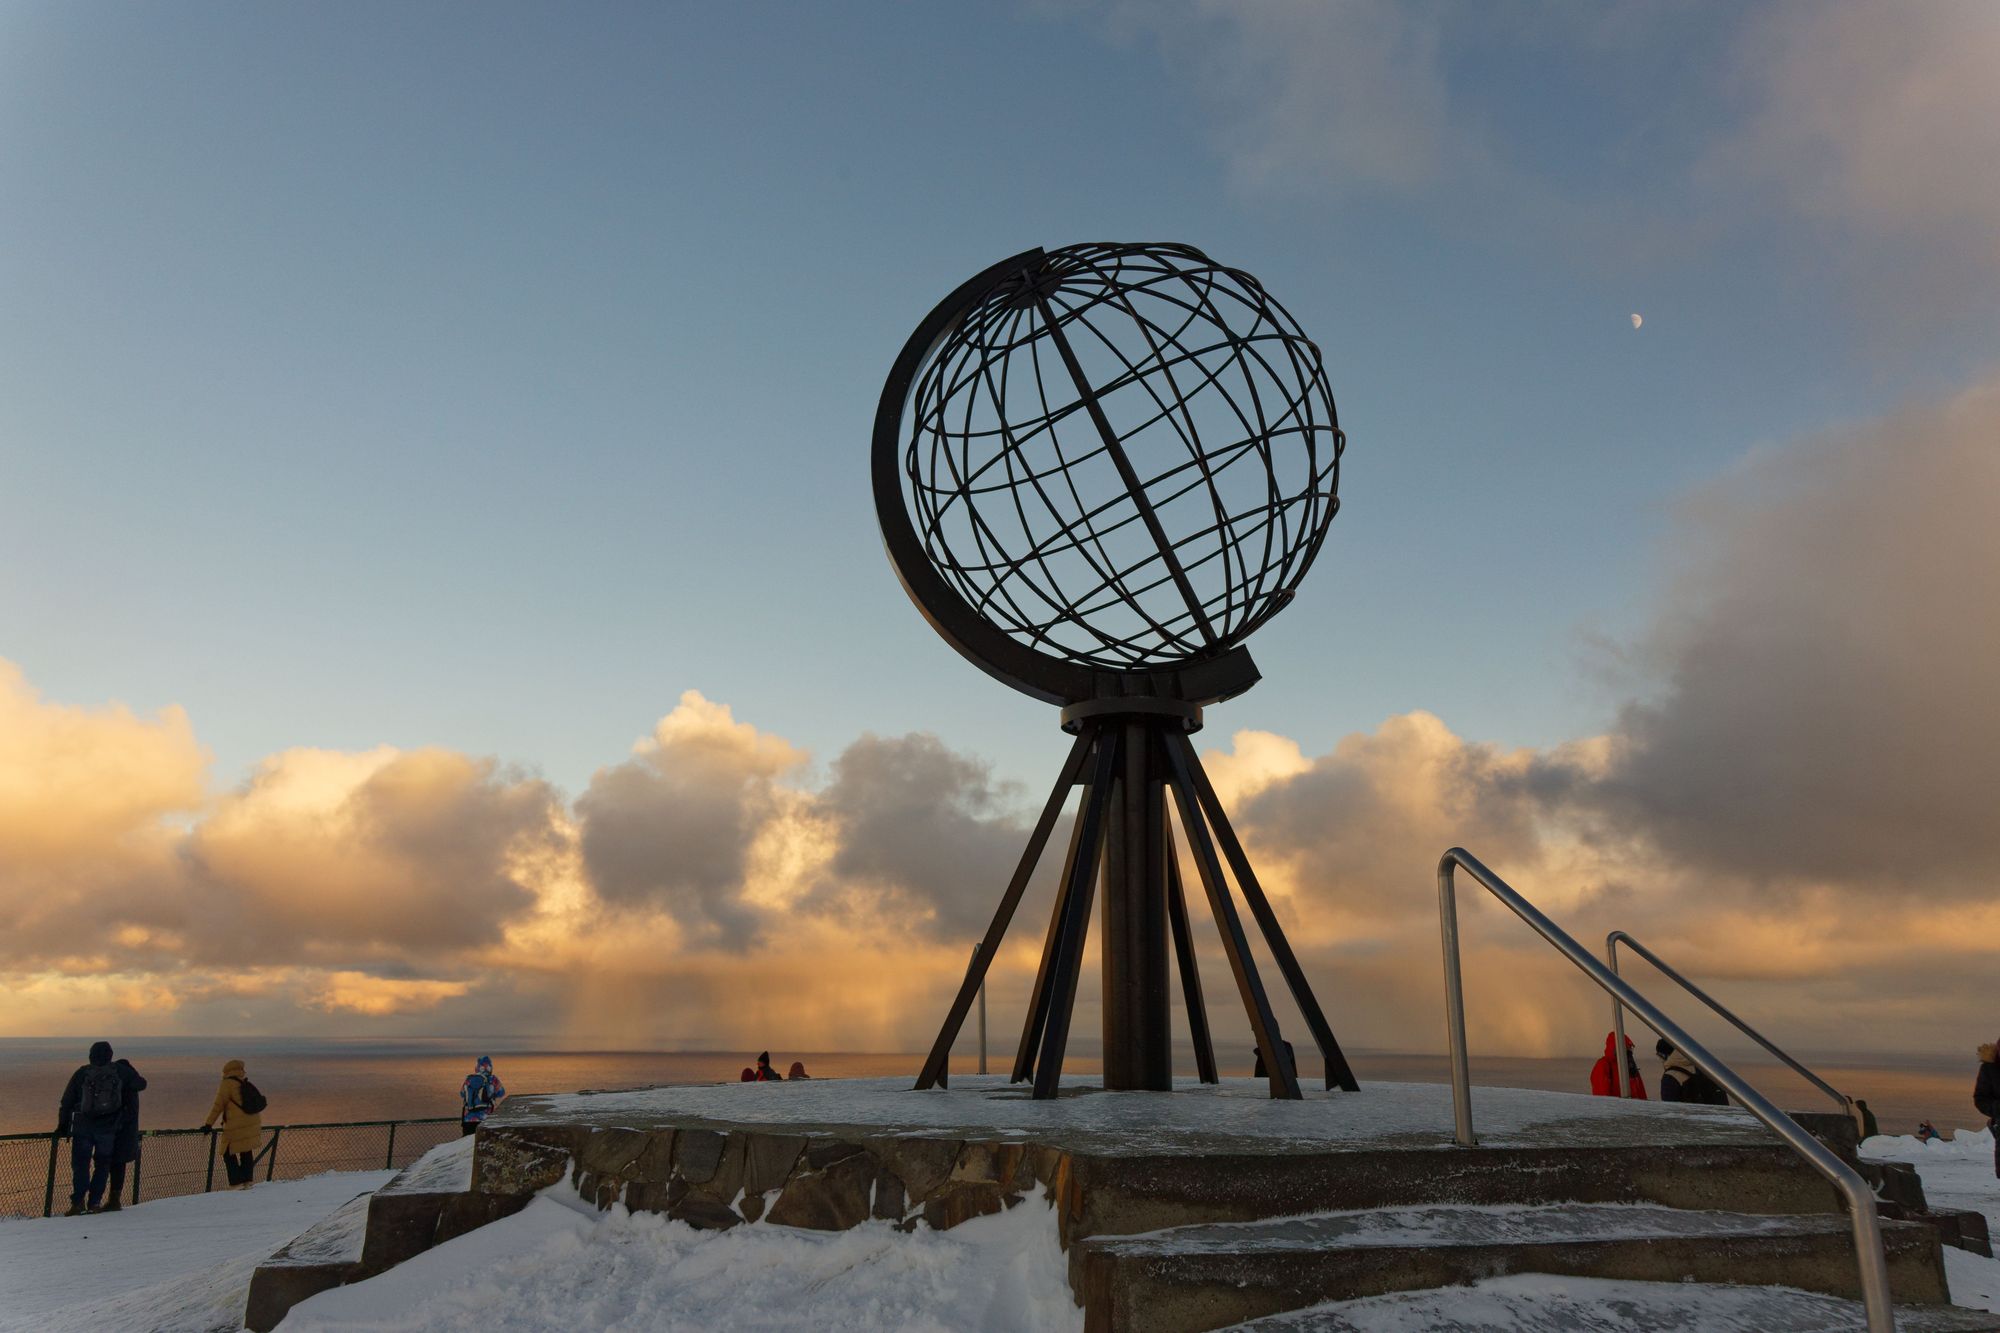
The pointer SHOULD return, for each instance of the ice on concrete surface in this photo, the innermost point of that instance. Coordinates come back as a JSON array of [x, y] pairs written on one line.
[[1237, 1116], [556, 1264], [1533, 1303], [179, 1265], [1466, 1224], [445, 1169], [334, 1239]]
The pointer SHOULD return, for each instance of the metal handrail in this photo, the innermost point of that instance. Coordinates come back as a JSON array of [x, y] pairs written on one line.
[[1860, 1199], [1845, 1103]]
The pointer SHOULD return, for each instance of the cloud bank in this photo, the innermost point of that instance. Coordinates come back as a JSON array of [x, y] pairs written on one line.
[[1794, 799]]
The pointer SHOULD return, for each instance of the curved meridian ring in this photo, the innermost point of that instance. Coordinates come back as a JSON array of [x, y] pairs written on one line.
[[1099, 469]]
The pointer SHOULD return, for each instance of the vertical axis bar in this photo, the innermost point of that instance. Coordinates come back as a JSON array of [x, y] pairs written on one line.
[[1284, 1079], [1618, 1024], [389, 1157], [1137, 987], [208, 1182], [138, 1160], [1003, 916], [982, 1024], [1197, 1011], [1337, 1070], [1076, 923], [271, 1168]]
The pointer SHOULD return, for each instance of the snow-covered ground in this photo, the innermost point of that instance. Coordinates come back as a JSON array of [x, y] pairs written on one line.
[[558, 1265], [1957, 1173], [183, 1265], [177, 1265]]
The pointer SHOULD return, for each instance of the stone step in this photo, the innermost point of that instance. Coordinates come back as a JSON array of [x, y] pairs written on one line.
[[428, 1202], [323, 1256], [1531, 1304], [1193, 1278], [1127, 1195]]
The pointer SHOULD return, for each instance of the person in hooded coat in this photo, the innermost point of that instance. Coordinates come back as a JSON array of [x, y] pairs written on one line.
[[92, 1104], [766, 1074], [242, 1131], [1604, 1074], [1986, 1095], [125, 1145]]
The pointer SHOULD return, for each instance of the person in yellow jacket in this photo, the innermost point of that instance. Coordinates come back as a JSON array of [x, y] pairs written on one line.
[[242, 1128]]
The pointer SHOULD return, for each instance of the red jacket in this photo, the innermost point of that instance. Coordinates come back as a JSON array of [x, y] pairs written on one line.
[[1604, 1076]]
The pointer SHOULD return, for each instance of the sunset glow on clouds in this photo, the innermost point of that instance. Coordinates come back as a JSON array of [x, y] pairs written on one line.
[[1800, 796]]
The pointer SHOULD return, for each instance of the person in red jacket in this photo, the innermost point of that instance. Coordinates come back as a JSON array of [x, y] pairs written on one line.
[[1604, 1075]]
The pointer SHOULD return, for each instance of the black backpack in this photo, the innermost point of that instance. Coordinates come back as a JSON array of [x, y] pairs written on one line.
[[251, 1100], [102, 1092]]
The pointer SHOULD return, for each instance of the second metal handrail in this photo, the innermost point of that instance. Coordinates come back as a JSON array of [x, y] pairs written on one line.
[[1611, 943], [1855, 1191]]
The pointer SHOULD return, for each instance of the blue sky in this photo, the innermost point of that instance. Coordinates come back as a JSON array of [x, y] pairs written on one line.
[[488, 376]]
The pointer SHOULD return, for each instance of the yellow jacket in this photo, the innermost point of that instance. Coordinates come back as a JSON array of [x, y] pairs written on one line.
[[241, 1131]]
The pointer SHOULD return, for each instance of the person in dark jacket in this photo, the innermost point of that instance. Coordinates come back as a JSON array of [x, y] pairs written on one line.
[[1680, 1081], [766, 1074], [1257, 1070], [125, 1146], [1604, 1074], [1986, 1095], [92, 1105]]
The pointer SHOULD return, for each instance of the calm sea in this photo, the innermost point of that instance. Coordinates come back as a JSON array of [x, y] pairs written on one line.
[[317, 1079]]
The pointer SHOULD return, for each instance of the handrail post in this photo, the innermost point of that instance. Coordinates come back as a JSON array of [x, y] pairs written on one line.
[[1454, 1008], [49, 1191], [271, 1167], [1617, 1020], [389, 1157], [138, 1159], [208, 1181]]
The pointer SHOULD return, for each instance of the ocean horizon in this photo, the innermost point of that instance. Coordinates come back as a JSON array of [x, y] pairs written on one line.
[[310, 1079]]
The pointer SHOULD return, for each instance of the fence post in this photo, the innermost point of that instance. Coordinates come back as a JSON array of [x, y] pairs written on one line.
[[208, 1184], [49, 1192], [138, 1157], [271, 1168], [389, 1158]]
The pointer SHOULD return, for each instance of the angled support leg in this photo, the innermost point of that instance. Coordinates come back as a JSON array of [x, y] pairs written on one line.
[[1337, 1070], [1263, 1024], [1045, 972], [1083, 870], [935, 1067], [1197, 1012]]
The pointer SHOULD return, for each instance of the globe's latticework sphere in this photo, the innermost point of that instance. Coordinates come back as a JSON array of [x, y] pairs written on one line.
[[1124, 457]]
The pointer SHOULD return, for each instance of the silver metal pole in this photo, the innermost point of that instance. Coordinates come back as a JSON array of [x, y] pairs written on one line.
[[1860, 1199], [1618, 1026], [1611, 943], [1454, 1009], [982, 1014]]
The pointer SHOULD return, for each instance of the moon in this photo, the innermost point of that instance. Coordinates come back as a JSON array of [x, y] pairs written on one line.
[[1636, 321]]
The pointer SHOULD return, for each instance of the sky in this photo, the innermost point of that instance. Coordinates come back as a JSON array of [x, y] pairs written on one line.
[[439, 588]]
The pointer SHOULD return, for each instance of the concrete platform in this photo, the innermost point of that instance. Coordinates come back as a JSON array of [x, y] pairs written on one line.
[[1238, 1116]]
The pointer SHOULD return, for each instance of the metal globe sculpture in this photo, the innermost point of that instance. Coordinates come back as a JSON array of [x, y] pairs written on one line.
[[1098, 470]]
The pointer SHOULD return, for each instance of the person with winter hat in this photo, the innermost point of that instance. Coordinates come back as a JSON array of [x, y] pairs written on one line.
[[1681, 1081], [1986, 1095], [88, 1117], [1604, 1074], [766, 1074], [239, 1110], [478, 1097]]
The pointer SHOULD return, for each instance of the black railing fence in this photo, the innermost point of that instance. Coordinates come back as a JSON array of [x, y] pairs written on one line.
[[35, 1168]]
